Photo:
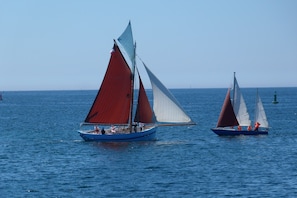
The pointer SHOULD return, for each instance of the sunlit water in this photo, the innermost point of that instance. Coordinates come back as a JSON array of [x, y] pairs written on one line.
[[42, 155]]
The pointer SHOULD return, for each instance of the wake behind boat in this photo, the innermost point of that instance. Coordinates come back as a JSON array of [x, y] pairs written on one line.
[[112, 111], [234, 116]]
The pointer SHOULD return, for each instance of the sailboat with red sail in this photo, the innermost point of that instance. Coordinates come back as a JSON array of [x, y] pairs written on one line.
[[114, 116], [234, 118]]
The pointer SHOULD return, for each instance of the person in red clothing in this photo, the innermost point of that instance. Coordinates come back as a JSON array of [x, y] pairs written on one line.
[[257, 124]]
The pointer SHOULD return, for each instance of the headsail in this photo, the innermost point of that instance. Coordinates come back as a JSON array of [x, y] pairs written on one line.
[[113, 101], [166, 107], [227, 116], [260, 115], [144, 112], [239, 106]]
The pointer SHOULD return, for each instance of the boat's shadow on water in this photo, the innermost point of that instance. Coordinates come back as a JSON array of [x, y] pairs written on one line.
[[130, 145], [121, 145], [241, 137]]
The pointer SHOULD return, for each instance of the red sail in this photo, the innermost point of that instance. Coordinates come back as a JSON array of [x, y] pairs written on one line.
[[227, 115], [112, 103], [144, 112]]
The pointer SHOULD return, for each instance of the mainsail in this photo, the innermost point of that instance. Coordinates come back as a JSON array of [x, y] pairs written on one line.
[[227, 116], [260, 115], [112, 103], [239, 106]]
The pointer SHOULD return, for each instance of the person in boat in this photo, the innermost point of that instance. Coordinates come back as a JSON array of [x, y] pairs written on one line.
[[257, 124], [96, 129], [103, 131], [239, 128], [134, 125], [249, 128], [113, 129], [141, 126]]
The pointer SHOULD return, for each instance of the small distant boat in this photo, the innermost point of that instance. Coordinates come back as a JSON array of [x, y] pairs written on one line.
[[275, 98], [1, 96], [112, 112], [234, 116]]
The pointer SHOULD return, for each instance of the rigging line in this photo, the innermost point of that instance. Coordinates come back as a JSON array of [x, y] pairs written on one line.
[[139, 58]]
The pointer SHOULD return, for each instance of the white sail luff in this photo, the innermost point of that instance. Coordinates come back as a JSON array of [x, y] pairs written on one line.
[[260, 115]]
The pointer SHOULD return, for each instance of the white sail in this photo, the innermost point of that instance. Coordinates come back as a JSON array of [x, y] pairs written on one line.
[[239, 106], [126, 41], [260, 115], [165, 106]]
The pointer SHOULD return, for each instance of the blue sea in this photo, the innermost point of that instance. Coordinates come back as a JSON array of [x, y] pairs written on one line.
[[42, 155]]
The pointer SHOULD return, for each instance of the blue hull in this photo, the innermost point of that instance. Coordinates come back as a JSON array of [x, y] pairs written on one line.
[[232, 132], [147, 135]]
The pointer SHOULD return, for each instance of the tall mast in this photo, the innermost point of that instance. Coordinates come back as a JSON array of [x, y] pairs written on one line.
[[126, 40], [233, 90], [132, 89], [256, 109]]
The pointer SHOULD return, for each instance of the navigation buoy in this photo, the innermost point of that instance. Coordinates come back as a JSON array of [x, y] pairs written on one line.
[[275, 98]]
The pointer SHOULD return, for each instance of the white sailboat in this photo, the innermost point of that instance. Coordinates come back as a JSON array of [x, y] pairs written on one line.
[[112, 111]]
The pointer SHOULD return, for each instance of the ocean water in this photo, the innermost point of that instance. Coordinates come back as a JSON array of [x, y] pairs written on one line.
[[42, 155]]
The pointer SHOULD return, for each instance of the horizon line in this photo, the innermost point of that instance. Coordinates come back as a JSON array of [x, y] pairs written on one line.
[[263, 87]]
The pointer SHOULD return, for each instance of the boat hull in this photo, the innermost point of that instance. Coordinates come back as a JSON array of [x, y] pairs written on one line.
[[146, 135], [233, 132]]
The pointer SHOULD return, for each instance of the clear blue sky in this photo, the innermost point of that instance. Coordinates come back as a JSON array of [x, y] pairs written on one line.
[[65, 44]]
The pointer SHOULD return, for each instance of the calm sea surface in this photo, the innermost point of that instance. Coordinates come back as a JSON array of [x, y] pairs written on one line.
[[42, 155]]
